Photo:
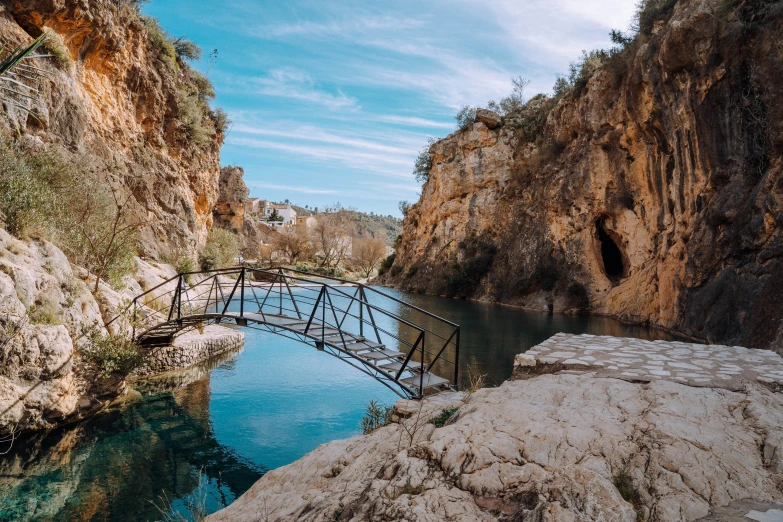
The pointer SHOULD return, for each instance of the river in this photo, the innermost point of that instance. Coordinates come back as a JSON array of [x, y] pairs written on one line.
[[200, 438]]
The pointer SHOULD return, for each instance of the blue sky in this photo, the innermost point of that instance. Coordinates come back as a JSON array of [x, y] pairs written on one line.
[[332, 100]]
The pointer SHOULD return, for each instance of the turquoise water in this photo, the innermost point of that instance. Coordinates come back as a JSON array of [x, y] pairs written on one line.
[[204, 436]]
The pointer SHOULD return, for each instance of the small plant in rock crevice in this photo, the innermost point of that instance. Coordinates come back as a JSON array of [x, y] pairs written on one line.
[[112, 355], [444, 416], [376, 416]]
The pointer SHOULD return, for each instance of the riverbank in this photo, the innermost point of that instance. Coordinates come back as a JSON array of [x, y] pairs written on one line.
[[557, 442]]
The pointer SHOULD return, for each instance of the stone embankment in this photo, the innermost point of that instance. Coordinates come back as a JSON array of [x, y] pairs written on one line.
[[191, 348], [588, 429]]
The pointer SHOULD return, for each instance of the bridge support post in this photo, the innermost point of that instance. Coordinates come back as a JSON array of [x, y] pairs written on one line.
[[456, 362], [361, 311], [242, 294], [179, 299], [133, 322]]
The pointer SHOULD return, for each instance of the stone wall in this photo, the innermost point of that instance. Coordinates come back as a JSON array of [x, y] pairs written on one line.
[[191, 348]]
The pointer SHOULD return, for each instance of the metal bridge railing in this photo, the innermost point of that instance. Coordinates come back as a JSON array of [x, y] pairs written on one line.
[[333, 312]]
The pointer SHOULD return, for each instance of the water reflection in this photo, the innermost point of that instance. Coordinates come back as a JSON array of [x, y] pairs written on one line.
[[116, 464], [492, 334]]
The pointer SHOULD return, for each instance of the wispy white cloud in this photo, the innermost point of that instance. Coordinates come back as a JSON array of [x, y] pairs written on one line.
[[368, 162], [350, 24], [289, 82], [293, 188], [316, 134], [413, 121]]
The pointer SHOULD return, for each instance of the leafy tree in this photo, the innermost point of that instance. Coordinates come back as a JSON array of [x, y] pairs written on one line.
[[514, 102], [186, 49], [561, 86], [423, 163], [220, 250], [466, 117], [620, 38], [404, 207]]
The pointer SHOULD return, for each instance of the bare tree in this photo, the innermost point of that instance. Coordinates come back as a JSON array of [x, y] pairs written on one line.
[[367, 254], [105, 232], [326, 238], [332, 237], [294, 243]]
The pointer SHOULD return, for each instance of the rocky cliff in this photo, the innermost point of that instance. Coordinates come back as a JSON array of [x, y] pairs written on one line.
[[230, 214], [651, 191], [117, 98]]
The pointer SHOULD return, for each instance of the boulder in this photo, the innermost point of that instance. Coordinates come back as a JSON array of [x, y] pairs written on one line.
[[489, 118]]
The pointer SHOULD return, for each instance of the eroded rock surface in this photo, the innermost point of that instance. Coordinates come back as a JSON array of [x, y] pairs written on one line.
[[645, 186], [544, 449], [114, 105]]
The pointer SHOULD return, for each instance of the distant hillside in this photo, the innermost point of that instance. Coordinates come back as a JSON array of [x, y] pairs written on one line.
[[371, 224], [375, 225]]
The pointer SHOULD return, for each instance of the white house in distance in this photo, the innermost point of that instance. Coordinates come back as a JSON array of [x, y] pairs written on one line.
[[264, 210]]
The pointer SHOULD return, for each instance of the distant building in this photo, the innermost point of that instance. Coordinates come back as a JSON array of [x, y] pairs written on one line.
[[253, 206], [265, 210]]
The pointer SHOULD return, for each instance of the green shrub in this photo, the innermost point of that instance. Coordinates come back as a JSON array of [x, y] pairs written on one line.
[[514, 102], [220, 250], [444, 416], [190, 111], [466, 117], [182, 262], [749, 12], [160, 41], [29, 203], [386, 264], [186, 49], [423, 163], [376, 416], [625, 486], [46, 309], [395, 270], [650, 11], [580, 71], [112, 355], [546, 275], [463, 278], [221, 120], [578, 297], [43, 194]]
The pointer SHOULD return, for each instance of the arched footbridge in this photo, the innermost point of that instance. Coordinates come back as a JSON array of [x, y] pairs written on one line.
[[408, 349]]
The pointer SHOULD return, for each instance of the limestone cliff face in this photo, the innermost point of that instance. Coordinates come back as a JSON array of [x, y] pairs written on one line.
[[230, 213], [112, 103], [658, 187]]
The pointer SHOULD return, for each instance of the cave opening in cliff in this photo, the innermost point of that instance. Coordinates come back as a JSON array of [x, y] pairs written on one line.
[[610, 253]]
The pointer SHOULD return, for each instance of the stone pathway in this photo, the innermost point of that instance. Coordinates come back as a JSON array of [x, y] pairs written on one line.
[[637, 359]]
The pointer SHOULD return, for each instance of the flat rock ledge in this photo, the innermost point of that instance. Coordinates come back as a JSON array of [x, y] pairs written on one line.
[[555, 447], [639, 360], [191, 348]]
